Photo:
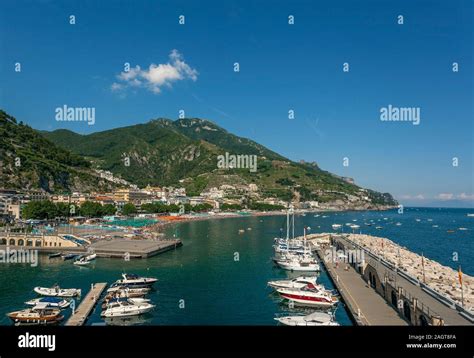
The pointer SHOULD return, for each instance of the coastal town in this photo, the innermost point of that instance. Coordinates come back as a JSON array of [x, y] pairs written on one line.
[[154, 199]]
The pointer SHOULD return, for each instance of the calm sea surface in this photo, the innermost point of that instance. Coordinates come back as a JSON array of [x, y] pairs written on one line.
[[219, 276]]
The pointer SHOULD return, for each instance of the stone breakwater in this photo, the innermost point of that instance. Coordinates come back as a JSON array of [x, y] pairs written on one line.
[[441, 279]]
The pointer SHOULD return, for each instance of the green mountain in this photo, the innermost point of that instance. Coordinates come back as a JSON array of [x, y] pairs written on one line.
[[185, 153], [30, 161]]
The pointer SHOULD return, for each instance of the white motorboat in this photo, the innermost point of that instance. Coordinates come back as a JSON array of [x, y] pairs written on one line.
[[336, 226], [308, 296], [85, 260], [135, 300], [313, 319], [125, 308], [125, 291], [132, 280], [299, 282], [56, 291], [53, 302], [295, 263]]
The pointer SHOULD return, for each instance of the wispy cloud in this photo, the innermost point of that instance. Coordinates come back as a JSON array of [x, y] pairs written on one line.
[[451, 196], [156, 76]]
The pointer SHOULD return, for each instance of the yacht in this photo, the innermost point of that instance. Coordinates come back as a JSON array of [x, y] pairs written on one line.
[[133, 280], [308, 296], [299, 282], [125, 291], [296, 263], [54, 302], [313, 319], [56, 291], [108, 300], [125, 308]]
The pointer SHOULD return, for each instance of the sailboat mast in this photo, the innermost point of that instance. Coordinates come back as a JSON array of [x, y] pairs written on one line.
[[288, 224]]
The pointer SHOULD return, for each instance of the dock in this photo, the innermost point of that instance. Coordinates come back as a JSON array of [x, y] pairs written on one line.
[[366, 306], [380, 291], [88, 303], [119, 248]]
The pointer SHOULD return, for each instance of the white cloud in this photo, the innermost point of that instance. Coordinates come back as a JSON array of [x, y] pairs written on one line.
[[156, 76], [445, 196], [415, 197], [464, 196]]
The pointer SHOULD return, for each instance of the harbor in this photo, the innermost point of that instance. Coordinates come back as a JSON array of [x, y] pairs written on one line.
[[206, 270]]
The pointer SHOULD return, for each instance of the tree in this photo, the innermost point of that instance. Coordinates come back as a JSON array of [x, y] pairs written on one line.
[[91, 209], [39, 210], [129, 209], [109, 209]]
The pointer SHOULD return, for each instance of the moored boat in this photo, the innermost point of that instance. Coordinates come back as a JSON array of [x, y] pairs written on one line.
[[56, 291], [299, 282], [69, 256], [133, 280], [85, 260], [126, 291], [54, 255], [109, 299], [313, 319], [126, 308], [39, 315], [308, 297], [297, 263], [55, 302]]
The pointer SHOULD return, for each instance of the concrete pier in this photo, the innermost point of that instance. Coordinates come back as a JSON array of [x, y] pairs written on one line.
[[377, 292], [366, 306], [85, 308]]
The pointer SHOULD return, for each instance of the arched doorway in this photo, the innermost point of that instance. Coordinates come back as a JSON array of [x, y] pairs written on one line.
[[38, 243], [12, 242], [407, 310], [21, 242], [29, 242], [3, 241], [394, 299], [423, 321]]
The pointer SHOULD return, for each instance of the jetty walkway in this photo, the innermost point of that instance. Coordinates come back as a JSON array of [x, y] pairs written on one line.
[[85, 308], [367, 307]]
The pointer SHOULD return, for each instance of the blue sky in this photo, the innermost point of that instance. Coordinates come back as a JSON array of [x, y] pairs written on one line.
[[282, 67]]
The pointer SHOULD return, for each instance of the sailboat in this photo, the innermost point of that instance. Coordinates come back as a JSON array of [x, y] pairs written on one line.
[[293, 255]]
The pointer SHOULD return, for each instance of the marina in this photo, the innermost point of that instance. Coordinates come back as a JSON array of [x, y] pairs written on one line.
[[206, 270]]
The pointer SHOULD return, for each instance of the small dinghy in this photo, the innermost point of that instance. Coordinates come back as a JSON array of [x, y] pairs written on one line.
[[54, 255], [313, 319], [39, 315], [56, 291], [53, 302]]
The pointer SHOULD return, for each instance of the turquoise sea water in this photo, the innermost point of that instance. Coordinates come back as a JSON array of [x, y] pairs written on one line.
[[202, 283]]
